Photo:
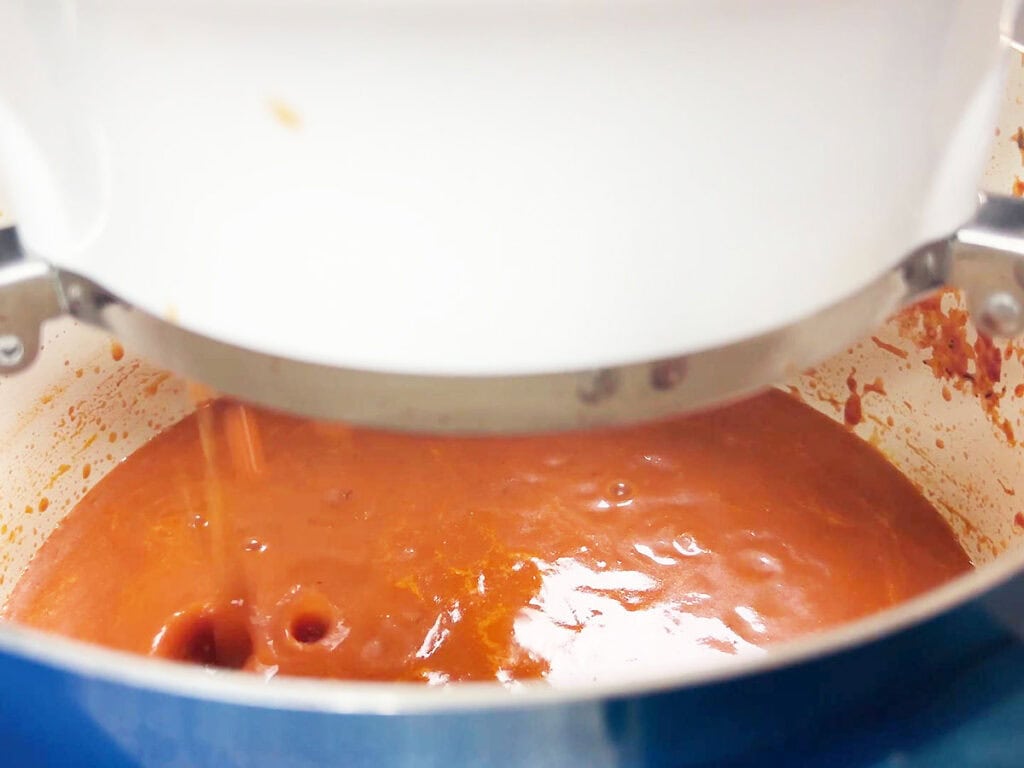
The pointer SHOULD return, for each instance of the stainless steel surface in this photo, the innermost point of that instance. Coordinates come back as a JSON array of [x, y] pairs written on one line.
[[29, 296], [565, 400], [1013, 28], [985, 258], [988, 264]]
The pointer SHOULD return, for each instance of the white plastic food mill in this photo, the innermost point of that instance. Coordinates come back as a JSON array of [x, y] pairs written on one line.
[[497, 214]]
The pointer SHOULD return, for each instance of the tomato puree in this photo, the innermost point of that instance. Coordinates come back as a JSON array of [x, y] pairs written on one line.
[[287, 546]]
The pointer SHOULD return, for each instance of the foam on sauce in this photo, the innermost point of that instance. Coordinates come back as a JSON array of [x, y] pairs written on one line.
[[289, 546]]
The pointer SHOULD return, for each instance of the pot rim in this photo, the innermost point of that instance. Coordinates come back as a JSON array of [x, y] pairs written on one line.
[[390, 698]]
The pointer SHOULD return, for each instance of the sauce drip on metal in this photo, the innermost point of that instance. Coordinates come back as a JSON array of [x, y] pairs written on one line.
[[330, 551]]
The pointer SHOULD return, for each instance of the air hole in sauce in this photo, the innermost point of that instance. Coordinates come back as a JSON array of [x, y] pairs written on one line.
[[308, 628], [209, 636]]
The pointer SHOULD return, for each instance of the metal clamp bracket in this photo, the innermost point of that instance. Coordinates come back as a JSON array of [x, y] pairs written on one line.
[[30, 295], [985, 258], [987, 263]]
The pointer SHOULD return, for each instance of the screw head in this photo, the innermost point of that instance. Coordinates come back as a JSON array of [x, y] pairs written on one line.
[[597, 386], [75, 295], [1000, 314], [12, 351], [666, 374]]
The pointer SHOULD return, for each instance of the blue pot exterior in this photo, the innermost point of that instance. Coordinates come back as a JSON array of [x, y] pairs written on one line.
[[947, 692]]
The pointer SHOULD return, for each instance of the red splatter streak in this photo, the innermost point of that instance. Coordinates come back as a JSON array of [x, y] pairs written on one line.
[[890, 348], [876, 386], [852, 411], [975, 368]]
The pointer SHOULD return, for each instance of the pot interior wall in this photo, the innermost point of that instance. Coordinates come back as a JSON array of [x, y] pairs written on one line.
[[64, 424], [921, 386]]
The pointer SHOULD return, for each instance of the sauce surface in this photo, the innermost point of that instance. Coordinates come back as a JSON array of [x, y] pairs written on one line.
[[244, 538]]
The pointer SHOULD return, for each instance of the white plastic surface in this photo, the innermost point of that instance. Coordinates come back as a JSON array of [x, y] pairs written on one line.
[[491, 187]]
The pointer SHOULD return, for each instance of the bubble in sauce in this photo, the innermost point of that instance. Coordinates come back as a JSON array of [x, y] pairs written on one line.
[[618, 493], [620, 490], [754, 562], [308, 621], [687, 546]]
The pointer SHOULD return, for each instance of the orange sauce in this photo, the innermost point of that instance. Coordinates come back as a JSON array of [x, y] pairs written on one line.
[[331, 551]]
